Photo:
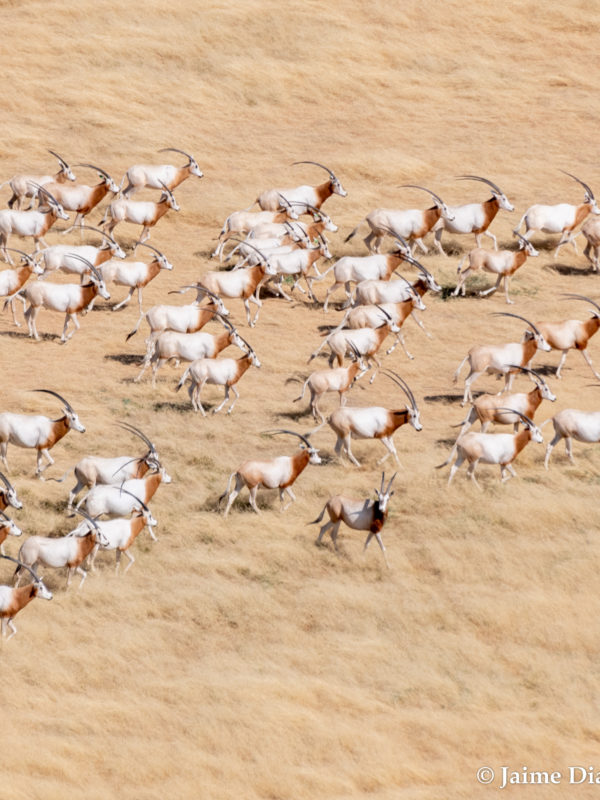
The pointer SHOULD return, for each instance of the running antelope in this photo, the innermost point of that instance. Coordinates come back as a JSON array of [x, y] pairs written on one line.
[[503, 263], [473, 218], [493, 448], [34, 223], [374, 422], [562, 218], [120, 533], [23, 186], [61, 256], [114, 501], [12, 280], [139, 212], [338, 380], [82, 198], [276, 473], [134, 274], [12, 599], [303, 197], [572, 334], [504, 359], [67, 298], [360, 515], [297, 264], [157, 177], [225, 372], [7, 528], [373, 292], [245, 221], [411, 224], [37, 432], [569, 424]]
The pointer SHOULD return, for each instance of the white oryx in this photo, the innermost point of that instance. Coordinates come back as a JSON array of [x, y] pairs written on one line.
[[12, 599], [338, 380], [7, 528], [34, 224], [134, 274], [160, 176], [12, 280], [303, 197], [569, 424], [572, 334], [139, 212], [23, 186], [82, 198], [119, 500], [60, 256]]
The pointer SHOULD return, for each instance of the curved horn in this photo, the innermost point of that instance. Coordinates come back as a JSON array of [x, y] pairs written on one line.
[[242, 241], [397, 236], [137, 432], [493, 186], [402, 384], [316, 163], [516, 316], [355, 350], [88, 517], [582, 297], [537, 377], [166, 188], [62, 161], [176, 150], [414, 186], [140, 501], [25, 256], [150, 247], [89, 264], [6, 482], [524, 417], [292, 433], [25, 566], [98, 169], [383, 311], [68, 406], [44, 191], [585, 186], [389, 486]]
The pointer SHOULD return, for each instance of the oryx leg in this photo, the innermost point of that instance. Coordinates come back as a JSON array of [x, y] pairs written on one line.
[[585, 354], [126, 300], [76, 326], [420, 324], [492, 289], [471, 472], [225, 399], [130, 557], [31, 316], [291, 494], [326, 527], [563, 358], [389, 444], [195, 391], [48, 458], [380, 543], [239, 485]]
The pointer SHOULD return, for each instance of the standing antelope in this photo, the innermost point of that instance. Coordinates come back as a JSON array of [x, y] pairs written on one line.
[[303, 196], [224, 372], [504, 359], [27, 185], [276, 473], [34, 223], [61, 256], [12, 599], [572, 334], [11, 280], [332, 380], [411, 224], [503, 263], [474, 217], [37, 432], [126, 497], [134, 274], [493, 448], [157, 177], [82, 198], [374, 422], [360, 515], [562, 218], [569, 424], [138, 212], [70, 298]]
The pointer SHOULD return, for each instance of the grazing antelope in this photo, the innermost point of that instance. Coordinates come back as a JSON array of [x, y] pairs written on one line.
[[82, 198], [276, 473], [504, 359], [157, 177], [67, 298], [303, 197], [591, 231], [7, 528], [562, 218], [134, 274], [121, 533], [125, 498], [474, 217], [8, 495], [360, 515], [138, 212], [92, 470], [569, 424], [572, 334], [189, 347], [34, 223], [374, 422], [12, 280], [60, 256], [12, 599], [27, 185], [503, 263], [332, 380], [411, 224], [245, 221], [493, 448], [67, 551], [37, 432], [224, 372]]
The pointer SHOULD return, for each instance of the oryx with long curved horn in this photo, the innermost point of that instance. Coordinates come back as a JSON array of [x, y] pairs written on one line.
[[410, 224], [473, 218], [139, 212], [24, 186], [60, 256], [360, 515], [82, 198], [134, 274], [12, 280], [67, 298], [37, 432], [572, 334], [562, 218], [276, 473], [35, 223], [305, 196], [157, 177], [374, 422], [502, 359], [13, 599]]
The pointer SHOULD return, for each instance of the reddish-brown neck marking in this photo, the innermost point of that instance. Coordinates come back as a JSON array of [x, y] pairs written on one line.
[[588, 328], [395, 420], [490, 209], [60, 427], [21, 596], [581, 213], [322, 192], [137, 525], [299, 462]]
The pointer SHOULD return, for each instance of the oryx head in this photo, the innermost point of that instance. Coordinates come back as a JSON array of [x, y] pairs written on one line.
[[497, 193], [314, 457], [108, 243], [541, 384], [528, 424], [159, 257], [384, 494], [168, 197], [28, 261], [95, 277], [42, 589], [65, 169], [589, 195], [7, 523], [192, 164], [104, 177], [336, 186], [525, 244]]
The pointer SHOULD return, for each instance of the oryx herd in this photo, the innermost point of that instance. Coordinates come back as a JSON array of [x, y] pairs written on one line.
[[278, 247]]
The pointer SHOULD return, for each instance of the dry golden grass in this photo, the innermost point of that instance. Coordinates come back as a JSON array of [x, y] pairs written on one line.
[[235, 659]]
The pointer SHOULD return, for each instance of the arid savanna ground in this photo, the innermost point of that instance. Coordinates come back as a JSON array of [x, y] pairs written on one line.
[[236, 659]]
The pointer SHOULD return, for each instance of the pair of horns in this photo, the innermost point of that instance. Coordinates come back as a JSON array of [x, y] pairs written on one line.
[[101, 232], [316, 163], [137, 432], [176, 150], [516, 316], [496, 189], [67, 405], [292, 433], [583, 297], [585, 186], [6, 482], [63, 163], [414, 186], [98, 169], [88, 264], [402, 384], [389, 486], [36, 577]]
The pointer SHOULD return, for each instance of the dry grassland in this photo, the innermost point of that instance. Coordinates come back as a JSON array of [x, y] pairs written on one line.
[[236, 659]]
